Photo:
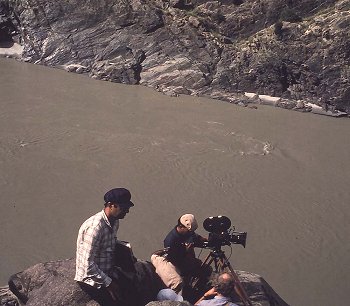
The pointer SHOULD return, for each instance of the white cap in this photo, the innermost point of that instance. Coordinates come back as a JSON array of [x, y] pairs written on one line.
[[169, 295], [189, 221]]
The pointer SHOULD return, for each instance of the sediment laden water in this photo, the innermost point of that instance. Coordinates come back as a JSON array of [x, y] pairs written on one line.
[[280, 175]]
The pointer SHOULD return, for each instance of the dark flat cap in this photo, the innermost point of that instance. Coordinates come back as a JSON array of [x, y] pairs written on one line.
[[119, 196]]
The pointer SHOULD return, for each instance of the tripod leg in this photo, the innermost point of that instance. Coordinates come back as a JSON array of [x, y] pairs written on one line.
[[238, 285], [208, 261]]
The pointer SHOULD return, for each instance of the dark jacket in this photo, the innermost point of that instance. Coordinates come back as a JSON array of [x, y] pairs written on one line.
[[175, 242]]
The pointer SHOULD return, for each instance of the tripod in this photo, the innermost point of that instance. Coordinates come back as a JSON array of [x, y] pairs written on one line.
[[218, 260]]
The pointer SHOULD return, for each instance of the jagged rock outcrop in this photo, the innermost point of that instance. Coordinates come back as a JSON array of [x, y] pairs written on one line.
[[52, 283], [298, 50]]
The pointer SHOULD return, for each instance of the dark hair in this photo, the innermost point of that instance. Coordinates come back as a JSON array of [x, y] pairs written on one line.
[[107, 204], [225, 284]]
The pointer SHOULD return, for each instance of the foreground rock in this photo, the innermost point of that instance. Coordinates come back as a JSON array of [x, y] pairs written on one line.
[[297, 50], [52, 284]]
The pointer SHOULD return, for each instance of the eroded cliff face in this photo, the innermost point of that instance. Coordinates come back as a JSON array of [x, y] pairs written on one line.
[[294, 49]]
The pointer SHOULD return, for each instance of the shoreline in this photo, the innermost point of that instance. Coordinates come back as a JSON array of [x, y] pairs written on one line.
[[11, 50], [14, 50]]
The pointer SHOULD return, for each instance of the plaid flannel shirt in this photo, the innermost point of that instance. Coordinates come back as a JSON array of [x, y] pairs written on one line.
[[95, 250]]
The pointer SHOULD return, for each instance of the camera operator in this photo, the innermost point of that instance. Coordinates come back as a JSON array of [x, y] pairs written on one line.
[[177, 260], [221, 293]]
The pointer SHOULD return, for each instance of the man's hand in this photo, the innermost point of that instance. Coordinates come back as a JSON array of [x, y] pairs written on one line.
[[113, 290], [210, 293], [189, 246]]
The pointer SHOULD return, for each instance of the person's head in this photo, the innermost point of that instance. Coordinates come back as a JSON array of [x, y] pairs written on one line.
[[186, 223], [169, 295], [225, 284], [117, 203]]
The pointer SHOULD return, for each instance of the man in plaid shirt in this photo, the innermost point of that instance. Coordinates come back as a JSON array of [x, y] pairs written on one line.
[[96, 244]]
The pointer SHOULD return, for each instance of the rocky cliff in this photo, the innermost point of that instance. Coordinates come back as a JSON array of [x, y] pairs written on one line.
[[297, 50]]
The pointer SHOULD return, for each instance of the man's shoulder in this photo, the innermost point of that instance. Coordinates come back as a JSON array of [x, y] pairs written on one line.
[[217, 301], [172, 232], [96, 220], [213, 302], [171, 236]]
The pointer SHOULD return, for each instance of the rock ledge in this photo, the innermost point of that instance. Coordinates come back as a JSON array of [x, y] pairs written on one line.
[[52, 283]]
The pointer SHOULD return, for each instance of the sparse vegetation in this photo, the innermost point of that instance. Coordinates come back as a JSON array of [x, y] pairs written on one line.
[[290, 15]]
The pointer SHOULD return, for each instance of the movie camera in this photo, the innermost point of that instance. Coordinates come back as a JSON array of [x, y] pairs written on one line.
[[221, 233]]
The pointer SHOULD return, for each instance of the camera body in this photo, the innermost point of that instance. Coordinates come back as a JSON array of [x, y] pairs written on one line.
[[221, 233]]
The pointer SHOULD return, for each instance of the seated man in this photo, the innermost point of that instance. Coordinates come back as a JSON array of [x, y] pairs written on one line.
[[221, 293], [178, 259], [96, 250]]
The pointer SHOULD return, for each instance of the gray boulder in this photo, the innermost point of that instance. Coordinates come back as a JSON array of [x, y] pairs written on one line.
[[52, 283]]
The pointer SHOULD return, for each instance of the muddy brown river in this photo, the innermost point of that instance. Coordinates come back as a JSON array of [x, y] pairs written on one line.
[[280, 175]]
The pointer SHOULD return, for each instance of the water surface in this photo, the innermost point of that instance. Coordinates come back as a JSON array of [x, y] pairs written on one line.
[[280, 175]]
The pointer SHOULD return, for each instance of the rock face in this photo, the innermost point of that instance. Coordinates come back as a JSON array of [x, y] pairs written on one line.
[[297, 50], [52, 283]]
